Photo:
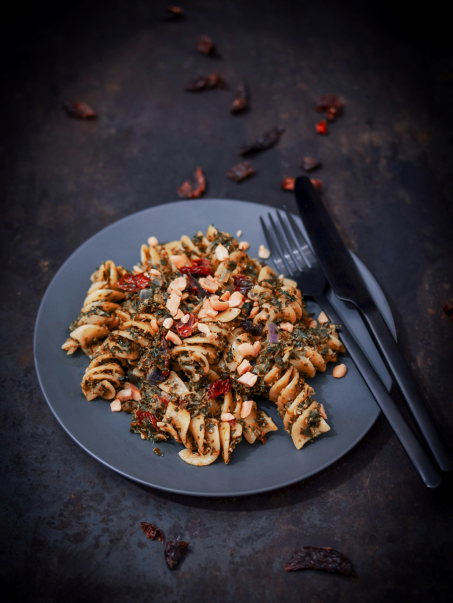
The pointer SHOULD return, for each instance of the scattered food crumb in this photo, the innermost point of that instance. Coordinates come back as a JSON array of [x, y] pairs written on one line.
[[239, 234], [339, 371], [193, 188], [173, 13], [153, 242], [152, 531], [321, 127], [320, 558], [241, 171], [288, 184], [329, 104], [78, 110], [316, 183], [266, 141], [322, 318], [205, 45], [263, 253], [309, 164], [241, 102], [174, 552], [205, 83], [243, 245]]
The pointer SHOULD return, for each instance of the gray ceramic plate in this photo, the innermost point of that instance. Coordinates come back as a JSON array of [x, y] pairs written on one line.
[[105, 435]]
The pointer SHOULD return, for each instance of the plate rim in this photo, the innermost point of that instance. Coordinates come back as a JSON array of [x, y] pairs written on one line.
[[137, 479]]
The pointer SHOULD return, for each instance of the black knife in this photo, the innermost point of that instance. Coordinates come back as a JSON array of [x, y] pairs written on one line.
[[348, 285]]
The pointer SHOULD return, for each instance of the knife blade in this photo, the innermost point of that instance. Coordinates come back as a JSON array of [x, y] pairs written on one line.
[[348, 285]]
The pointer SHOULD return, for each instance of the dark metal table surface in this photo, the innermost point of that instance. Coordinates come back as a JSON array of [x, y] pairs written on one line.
[[70, 527]]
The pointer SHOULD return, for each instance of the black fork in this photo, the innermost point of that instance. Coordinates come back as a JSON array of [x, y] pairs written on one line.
[[293, 257]]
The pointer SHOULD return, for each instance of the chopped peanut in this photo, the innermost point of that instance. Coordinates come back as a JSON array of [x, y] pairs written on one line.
[[171, 336], [221, 253], [286, 326], [263, 253], [168, 323], [155, 272], [339, 371], [178, 285], [246, 349], [115, 406], [173, 304], [209, 284], [137, 270], [239, 234], [248, 379], [204, 328], [180, 260], [185, 319], [313, 324], [246, 409], [152, 242], [244, 367], [226, 296], [243, 245], [256, 348], [254, 312], [208, 309], [226, 416], [217, 304], [322, 318], [179, 314], [236, 299]]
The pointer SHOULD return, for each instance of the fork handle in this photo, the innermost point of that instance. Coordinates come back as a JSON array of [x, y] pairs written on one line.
[[405, 380], [403, 432]]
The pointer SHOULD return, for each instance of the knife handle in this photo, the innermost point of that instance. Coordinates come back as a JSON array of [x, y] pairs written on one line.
[[403, 432], [407, 385]]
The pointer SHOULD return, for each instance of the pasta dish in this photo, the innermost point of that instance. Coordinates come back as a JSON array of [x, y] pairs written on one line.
[[190, 339]]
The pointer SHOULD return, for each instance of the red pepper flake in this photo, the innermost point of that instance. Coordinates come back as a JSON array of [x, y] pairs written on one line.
[[320, 558], [309, 164], [241, 171], [194, 187], [288, 184], [133, 282], [219, 387], [200, 267], [241, 102], [448, 309], [152, 531], [316, 183], [321, 127], [161, 400], [243, 283], [186, 330], [79, 110], [205, 83], [205, 45], [144, 414]]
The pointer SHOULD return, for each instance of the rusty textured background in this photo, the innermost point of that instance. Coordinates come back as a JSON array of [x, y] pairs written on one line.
[[69, 525]]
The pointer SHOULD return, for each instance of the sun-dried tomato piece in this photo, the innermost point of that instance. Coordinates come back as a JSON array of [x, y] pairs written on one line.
[[328, 101], [186, 330], [145, 414], [79, 110], [321, 127], [174, 552], [448, 309], [288, 184], [241, 102], [152, 531], [251, 328], [194, 187], [243, 283], [316, 183], [320, 558], [264, 142], [200, 267], [309, 164], [205, 45], [218, 388], [205, 83], [173, 13], [193, 287], [241, 171], [133, 282], [232, 422]]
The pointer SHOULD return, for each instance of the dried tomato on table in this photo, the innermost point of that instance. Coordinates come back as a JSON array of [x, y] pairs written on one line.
[[316, 183], [267, 140], [309, 164], [243, 283], [186, 329], [200, 267], [79, 110], [205, 45], [241, 171], [152, 531], [320, 558], [205, 83], [133, 282], [218, 388], [321, 127], [174, 552], [288, 184], [241, 102], [194, 187]]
